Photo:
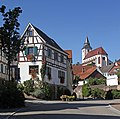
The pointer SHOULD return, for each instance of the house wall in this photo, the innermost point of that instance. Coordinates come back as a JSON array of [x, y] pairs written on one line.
[[94, 59], [43, 47], [112, 80]]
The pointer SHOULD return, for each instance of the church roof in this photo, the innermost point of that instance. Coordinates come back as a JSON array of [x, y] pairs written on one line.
[[97, 51]]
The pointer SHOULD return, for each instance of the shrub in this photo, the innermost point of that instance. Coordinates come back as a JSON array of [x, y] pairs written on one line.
[[98, 93], [38, 93], [86, 91], [116, 94], [109, 95], [28, 86], [10, 96], [95, 81]]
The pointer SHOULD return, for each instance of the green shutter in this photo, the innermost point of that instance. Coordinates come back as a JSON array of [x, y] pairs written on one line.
[[26, 51], [35, 50]]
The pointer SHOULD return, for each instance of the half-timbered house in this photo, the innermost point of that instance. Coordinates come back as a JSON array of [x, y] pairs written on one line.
[[42, 58]]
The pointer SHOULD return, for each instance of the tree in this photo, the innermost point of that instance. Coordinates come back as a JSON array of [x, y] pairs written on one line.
[[9, 35]]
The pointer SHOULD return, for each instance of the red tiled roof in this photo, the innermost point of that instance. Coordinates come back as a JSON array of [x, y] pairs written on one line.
[[114, 70], [86, 74], [97, 51], [77, 69], [69, 53]]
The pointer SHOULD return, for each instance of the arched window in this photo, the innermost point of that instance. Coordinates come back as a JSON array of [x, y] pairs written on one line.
[[98, 60]]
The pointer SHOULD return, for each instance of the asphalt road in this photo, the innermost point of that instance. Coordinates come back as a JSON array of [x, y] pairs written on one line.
[[93, 109]]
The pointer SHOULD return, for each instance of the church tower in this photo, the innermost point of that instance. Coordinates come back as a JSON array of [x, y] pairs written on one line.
[[86, 48]]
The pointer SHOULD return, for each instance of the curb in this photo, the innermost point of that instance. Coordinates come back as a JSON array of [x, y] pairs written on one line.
[[118, 111]]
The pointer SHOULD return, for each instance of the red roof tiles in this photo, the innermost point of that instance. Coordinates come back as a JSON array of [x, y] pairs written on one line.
[[69, 53], [97, 51]]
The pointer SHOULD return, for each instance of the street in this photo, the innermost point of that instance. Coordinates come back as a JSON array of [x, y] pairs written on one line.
[[94, 109]]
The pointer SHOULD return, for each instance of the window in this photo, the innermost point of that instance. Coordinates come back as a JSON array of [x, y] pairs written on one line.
[[33, 69], [31, 50], [55, 56], [61, 76], [49, 53], [30, 33], [98, 60], [48, 72], [103, 58], [62, 59], [1, 68]]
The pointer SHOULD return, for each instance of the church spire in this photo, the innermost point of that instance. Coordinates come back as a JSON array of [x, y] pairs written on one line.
[[87, 43]]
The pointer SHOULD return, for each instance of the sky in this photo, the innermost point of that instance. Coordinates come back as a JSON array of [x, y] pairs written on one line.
[[69, 22]]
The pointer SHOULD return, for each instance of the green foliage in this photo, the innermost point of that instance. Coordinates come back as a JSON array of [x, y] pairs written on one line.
[[20, 86], [9, 35], [109, 95], [10, 96], [98, 93], [28, 86], [43, 71], [86, 91], [116, 94], [95, 81]]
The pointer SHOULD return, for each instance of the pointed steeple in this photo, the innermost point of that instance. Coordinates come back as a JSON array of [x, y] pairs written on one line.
[[87, 43]]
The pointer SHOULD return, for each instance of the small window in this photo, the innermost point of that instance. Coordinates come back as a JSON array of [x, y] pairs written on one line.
[[103, 58], [62, 59], [33, 69], [55, 56], [48, 72], [61, 76], [31, 50], [49, 53], [1, 68], [98, 60]]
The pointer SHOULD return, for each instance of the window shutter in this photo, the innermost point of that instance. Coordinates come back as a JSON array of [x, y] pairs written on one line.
[[26, 51], [35, 50]]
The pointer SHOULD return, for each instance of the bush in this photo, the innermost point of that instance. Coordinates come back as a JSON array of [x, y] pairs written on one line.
[[116, 94], [109, 95], [98, 93], [10, 96], [95, 81], [86, 91], [38, 93], [28, 86]]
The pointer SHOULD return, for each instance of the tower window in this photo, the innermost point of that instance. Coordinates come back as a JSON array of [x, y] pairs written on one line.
[[98, 60]]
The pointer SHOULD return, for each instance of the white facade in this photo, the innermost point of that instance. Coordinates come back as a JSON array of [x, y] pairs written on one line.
[[97, 56], [112, 80], [44, 50]]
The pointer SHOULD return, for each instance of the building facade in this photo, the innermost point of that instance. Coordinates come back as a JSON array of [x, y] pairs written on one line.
[[42, 58], [98, 56]]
